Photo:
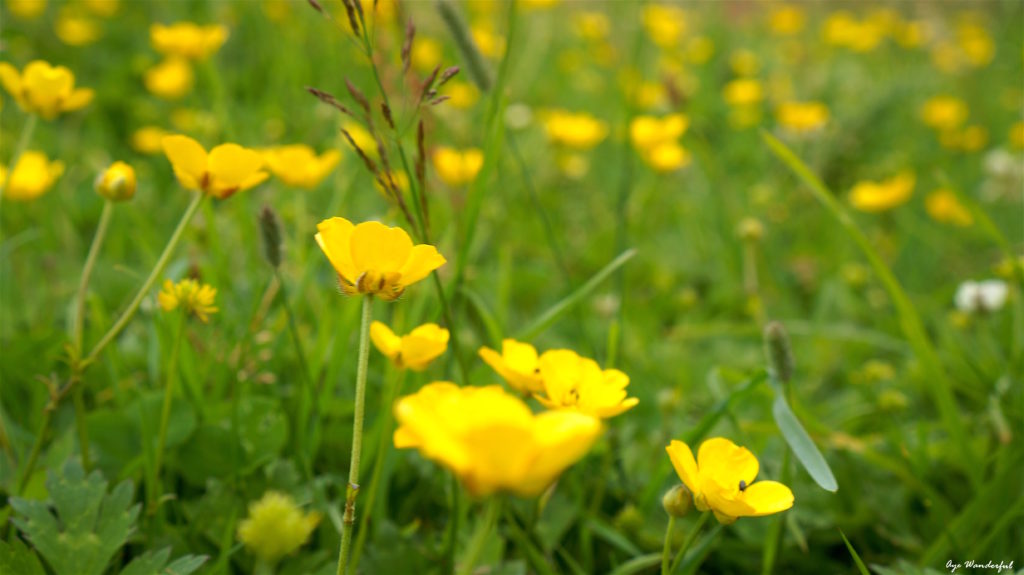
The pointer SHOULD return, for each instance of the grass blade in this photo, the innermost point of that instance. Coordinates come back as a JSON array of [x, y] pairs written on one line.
[[801, 443], [638, 564], [853, 553]]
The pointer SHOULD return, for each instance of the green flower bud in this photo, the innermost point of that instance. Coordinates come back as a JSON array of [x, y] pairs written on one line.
[[677, 501]]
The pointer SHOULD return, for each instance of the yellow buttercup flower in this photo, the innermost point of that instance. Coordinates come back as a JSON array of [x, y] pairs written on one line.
[[787, 20], [517, 364], [227, 169], [665, 24], [461, 95], [490, 440], [414, 351], [943, 206], [976, 44], [802, 117], [192, 297], [187, 40], [373, 259], [74, 29], [298, 165], [579, 384], [969, 139], [102, 8], [44, 89], [457, 167], [26, 9], [944, 112], [744, 62], [490, 44], [722, 480], [32, 177], [649, 131], [743, 92], [1017, 135], [149, 139], [117, 183], [870, 196], [666, 157], [579, 131], [426, 54], [170, 79], [276, 527]]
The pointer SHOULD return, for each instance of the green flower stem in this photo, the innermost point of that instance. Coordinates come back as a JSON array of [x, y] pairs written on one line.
[[158, 269], [78, 400], [690, 538], [83, 285], [37, 446], [483, 529], [666, 550], [19, 148], [165, 413], [306, 395], [349, 518], [378, 465]]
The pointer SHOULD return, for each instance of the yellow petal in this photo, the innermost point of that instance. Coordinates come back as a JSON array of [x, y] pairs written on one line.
[[422, 260], [563, 437], [686, 467], [385, 340], [187, 156], [78, 99], [10, 79], [767, 497], [379, 248], [423, 345], [334, 237], [726, 463], [231, 165]]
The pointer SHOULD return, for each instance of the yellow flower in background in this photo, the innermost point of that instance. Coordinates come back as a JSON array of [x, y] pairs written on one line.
[[591, 25], [227, 169], [170, 79], [489, 43], [192, 297], [944, 112], [460, 94], [426, 54], [187, 40], [457, 167], [802, 117], [1017, 135], [970, 139], [517, 364], [490, 440], [744, 63], [399, 179], [648, 131], [574, 130], [665, 24], [32, 177], [578, 383], [373, 259], [149, 139], [26, 9], [844, 30], [276, 527], [414, 351], [870, 196], [721, 479], [117, 183], [102, 8], [976, 44], [362, 137], [74, 29], [538, 4], [943, 206], [743, 92], [700, 49], [298, 165], [666, 157], [787, 20], [44, 89]]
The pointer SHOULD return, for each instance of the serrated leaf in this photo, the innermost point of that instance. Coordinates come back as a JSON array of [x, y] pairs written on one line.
[[16, 558], [801, 443], [150, 563], [85, 528]]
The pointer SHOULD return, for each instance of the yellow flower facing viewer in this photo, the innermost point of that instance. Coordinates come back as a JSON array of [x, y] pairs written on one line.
[[117, 183], [26, 9], [74, 29], [650, 131], [457, 167], [170, 79], [414, 351], [276, 527], [517, 364], [870, 196], [722, 480], [943, 206], [190, 296], [743, 92], [44, 89], [373, 259], [802, 117], [944, 112], [490, 439], [227, 169], [577, 131], [187, 40], [31, 178], [149, 139], [298, 165], [577, 383]]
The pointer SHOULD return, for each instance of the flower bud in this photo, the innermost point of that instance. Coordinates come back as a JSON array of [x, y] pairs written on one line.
[[116, 183], [750, 230], [778, 351], [271, 231], [677, 501]]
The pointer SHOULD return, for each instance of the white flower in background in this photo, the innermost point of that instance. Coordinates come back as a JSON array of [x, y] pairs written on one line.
[[984, 296]]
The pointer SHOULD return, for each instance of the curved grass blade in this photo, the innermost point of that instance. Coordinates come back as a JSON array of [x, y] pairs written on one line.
[[638, 564], [800, 442], [853, 553]]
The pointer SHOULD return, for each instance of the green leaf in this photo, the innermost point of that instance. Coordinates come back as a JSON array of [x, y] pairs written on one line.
[[89, 526], [263, 429], [211, 452], [800, 442], [150, 563], [556, 311], [853, 553], [16, 558], [638, 564]]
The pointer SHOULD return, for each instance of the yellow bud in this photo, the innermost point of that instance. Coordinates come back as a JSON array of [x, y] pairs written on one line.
[[117, 183], [677, 501], [750, 230]]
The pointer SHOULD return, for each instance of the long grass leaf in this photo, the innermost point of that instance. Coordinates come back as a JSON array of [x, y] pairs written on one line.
[[801, 443], [853, 553]]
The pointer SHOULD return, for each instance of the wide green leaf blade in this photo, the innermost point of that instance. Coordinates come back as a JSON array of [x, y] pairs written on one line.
[[800, 442]]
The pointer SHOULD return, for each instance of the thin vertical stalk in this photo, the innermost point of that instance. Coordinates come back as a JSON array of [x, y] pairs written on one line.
[[165, 412], [690, 538], [306, 395], [666, 550], [83, 284], [78, 400], [349, 517], [483, 529], [37, 446]]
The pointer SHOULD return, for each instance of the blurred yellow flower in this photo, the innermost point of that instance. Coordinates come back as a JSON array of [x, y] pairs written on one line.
[[187, 40], [490, 440], [517, 364], [976, 44], [743, 92], [578, 383], [74, 29], [970, 139], [944, 112], [868, 196], [842, 29], [460, 94], [149, 139], [574, 130], [44, 89], [170, 79], [744, 63], [227, 169], [362, 137], [192, 297], [802, 117], [700, 49], [722, 480], [666, 157], [457, 167], [414, 351], [943, 206], [665, 24], [26, 9], [787, 20], [591, 25], [298, 165], [489, 43], [538, 4], [117, 183], [373, 259], [32, 177], [648, 131], [102, 8], [426, 53], [276, 527], [1017, 135], [399, 179]]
